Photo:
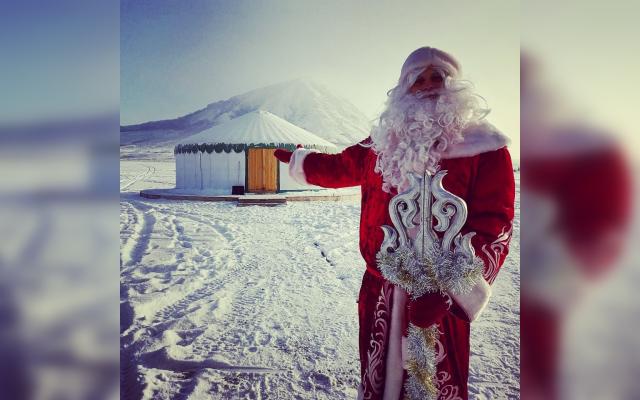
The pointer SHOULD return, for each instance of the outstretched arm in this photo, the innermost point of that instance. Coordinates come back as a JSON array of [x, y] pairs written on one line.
[[327, 170]]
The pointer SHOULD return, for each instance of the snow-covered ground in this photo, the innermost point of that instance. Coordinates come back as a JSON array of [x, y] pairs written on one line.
[[260, 302]]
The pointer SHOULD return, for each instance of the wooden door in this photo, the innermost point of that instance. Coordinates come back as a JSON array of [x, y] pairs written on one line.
[[262, 171]]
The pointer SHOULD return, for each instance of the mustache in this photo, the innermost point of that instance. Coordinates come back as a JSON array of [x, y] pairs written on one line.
[[450, 87], [447, 107], [428, 94]]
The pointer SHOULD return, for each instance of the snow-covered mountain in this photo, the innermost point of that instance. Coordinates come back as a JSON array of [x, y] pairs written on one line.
[[302, 102]]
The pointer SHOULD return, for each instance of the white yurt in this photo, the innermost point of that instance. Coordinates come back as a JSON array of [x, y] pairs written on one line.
[[237, 156]]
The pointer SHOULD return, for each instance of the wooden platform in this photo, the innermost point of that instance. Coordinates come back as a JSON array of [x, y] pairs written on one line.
[[250, 199], [261, 201], [153, 194]]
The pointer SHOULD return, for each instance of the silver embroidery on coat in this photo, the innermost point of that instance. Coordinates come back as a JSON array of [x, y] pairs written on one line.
[[377, 345], [446, 392], [495, 251]]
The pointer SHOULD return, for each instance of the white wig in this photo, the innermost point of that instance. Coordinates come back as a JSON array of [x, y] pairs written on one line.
[[415, 129]]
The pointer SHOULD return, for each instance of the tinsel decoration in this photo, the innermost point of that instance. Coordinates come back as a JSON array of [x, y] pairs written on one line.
[[436, 271], [421, 365]]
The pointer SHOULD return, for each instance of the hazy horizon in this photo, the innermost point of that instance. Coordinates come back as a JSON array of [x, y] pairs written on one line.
[[176, 58]]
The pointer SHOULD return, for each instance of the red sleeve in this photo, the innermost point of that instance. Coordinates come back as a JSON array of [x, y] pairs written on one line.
[[491, 210], [332, 170], [490, 215]]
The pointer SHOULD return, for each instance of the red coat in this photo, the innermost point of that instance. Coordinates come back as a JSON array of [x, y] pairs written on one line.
[[481, 173]]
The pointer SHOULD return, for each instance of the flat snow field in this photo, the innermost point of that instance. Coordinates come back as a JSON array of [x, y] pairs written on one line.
[[219, 301]]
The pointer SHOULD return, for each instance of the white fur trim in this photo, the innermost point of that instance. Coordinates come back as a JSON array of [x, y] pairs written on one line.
[[420, 59], [296, 170], [478, 139], [475, 301], [394, 370]]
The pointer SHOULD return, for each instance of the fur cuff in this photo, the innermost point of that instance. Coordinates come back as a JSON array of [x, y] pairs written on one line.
[[475, 301], [296, 170]]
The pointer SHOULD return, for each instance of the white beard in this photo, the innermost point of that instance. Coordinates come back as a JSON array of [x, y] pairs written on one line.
[[415, 130]]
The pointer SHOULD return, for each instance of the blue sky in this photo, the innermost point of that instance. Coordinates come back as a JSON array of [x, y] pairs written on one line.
[[178, 56], [59, 60]]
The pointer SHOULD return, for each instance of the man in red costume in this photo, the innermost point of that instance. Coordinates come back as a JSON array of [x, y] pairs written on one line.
[[437, 209]]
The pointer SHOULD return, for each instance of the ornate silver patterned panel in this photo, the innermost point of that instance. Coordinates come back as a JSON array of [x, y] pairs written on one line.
[[424, 250]]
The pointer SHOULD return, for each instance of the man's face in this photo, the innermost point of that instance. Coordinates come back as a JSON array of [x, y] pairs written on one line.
[[430, 79]]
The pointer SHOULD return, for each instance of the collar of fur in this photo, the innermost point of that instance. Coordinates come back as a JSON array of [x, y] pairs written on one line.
[[478, 138]]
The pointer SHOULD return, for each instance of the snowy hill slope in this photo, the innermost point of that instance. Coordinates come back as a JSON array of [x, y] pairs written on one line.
[[302, 102]]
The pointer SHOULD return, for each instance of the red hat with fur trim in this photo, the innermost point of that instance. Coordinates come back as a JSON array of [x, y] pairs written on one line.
[[423, 57]]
